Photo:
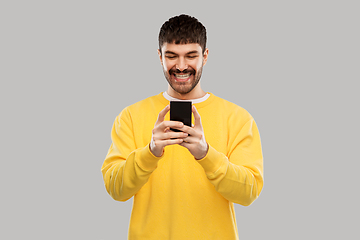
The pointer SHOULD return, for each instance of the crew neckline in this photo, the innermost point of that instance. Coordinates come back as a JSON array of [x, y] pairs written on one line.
[[204, 103], [197, 100]]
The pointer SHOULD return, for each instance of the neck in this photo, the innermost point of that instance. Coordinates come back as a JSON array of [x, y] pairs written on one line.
[[196, 93]]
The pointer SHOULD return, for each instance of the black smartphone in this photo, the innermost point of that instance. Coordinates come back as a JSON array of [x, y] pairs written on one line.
[[180, 111]]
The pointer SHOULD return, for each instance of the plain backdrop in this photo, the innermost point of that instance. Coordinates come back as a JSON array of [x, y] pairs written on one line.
[[68, 68]]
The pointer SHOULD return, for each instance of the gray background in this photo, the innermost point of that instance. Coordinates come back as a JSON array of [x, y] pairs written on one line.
[[69, 67]]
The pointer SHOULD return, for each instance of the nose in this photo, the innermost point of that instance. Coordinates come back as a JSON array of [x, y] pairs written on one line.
[[181, 64]]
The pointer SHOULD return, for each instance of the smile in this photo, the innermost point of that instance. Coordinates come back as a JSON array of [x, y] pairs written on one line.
[[182, 76]]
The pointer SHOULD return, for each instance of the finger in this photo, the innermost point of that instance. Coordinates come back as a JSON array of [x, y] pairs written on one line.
[[197, 117], [171, 141], [191, 140], [189, 130], [172, 135], [162, 114], [165, 125], [185, 144], [157, 146]]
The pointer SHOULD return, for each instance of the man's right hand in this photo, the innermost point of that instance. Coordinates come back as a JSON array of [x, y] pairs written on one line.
[[162, 136]]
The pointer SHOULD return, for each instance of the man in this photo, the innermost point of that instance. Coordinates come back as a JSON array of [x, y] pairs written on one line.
[[184, 183]]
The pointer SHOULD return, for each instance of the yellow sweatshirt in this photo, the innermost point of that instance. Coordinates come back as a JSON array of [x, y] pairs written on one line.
[[176, 196]]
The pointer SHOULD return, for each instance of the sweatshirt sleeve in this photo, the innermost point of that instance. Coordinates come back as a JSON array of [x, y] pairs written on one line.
[[126, 168], [238, 177]]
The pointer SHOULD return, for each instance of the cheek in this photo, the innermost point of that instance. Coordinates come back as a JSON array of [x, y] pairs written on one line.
[[166, 66], [199, 65]]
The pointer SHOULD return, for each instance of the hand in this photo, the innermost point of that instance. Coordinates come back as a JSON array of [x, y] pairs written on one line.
[[195, 142], [162, 136]]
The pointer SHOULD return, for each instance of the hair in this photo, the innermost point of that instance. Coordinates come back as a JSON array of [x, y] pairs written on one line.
[[182, 29]]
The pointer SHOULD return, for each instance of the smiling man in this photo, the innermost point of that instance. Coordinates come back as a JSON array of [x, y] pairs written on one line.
[[182, 65], [184, 183]]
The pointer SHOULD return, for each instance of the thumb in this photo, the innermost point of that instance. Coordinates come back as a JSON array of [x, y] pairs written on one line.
[[162, 114], [197, 117]]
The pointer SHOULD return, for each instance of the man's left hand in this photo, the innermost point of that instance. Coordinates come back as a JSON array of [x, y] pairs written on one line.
[[195, 142]]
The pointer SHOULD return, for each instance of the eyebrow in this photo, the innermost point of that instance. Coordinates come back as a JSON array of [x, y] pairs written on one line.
[[188, 53], [192, 52]]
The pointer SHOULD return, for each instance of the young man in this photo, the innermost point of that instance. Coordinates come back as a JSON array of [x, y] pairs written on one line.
[[184, 183]]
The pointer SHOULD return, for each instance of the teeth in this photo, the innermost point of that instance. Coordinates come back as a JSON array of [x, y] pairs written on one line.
[[182, 75]]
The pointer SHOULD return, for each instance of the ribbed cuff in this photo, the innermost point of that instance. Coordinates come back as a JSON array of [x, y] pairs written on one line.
[[212, 161], [147, 161]]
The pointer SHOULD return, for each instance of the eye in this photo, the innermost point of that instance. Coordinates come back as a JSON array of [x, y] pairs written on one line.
[[192, 56], [171, 57]]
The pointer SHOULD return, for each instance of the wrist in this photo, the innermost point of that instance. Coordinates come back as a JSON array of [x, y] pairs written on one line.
[[154, 151], [147, 161], [204, 153]]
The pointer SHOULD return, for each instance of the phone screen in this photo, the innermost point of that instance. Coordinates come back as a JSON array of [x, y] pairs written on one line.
[[181, 111]]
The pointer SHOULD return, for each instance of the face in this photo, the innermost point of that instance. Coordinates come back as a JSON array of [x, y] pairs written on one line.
[[182, 65]]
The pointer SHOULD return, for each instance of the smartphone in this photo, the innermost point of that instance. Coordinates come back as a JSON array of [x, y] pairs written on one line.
[[181, 111]]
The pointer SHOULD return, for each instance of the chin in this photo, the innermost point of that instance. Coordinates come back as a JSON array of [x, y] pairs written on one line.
[[182, 89]]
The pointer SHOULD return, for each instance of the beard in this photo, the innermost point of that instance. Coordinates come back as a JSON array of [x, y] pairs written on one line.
[[183, 87]]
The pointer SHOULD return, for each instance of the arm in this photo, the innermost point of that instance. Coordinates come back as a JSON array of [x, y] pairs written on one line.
[[239, 177], [126, 169]]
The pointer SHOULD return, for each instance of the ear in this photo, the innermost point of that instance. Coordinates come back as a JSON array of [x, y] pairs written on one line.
[[160, 56], [205, 56]]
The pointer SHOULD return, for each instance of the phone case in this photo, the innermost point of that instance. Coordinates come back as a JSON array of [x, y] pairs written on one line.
[[181, 111]]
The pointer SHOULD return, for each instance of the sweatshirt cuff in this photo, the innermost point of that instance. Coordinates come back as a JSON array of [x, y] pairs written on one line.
[[147, 161], [212, 161]]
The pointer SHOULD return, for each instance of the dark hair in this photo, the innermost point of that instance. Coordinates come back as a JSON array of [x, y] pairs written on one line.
[[182, 29]]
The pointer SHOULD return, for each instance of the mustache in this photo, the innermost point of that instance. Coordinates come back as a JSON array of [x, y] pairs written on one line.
[[177, 71]]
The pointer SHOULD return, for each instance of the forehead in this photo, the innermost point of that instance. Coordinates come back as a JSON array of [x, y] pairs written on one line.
[[181, 49]]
